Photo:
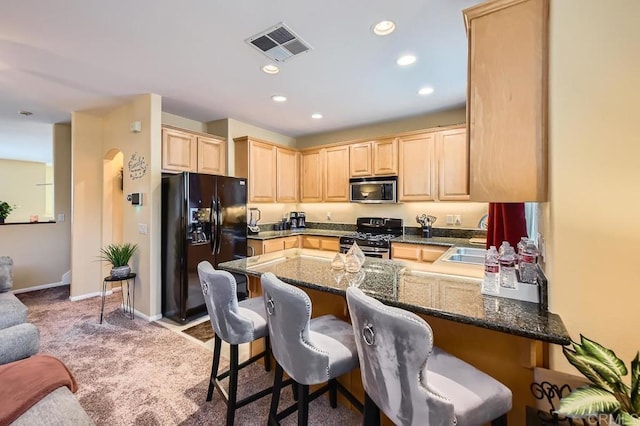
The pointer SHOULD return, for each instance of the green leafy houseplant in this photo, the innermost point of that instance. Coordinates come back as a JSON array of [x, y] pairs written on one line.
[[118, 255], [5, 209], [607, 393]]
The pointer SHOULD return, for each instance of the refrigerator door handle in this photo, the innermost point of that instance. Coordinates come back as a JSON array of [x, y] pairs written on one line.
[[219, 228], [212, 221]]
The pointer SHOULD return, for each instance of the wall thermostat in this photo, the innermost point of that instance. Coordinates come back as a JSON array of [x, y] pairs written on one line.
[[135, 198]]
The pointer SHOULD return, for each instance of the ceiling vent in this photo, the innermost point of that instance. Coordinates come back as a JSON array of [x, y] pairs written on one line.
[[279, 43]]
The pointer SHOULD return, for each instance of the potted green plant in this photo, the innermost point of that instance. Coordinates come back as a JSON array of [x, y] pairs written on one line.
[[607, 393], [5, 209], [118, 255]]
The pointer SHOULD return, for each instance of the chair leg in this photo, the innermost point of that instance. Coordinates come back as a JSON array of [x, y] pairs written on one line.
[[500, 421], [333, 393], [275, 395], [303, 405], [233, 385], [294, 390], [217, 346], [371, 412], [267, 353]]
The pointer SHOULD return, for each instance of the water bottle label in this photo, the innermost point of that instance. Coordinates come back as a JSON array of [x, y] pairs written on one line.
[[493, 269], [527, 258]]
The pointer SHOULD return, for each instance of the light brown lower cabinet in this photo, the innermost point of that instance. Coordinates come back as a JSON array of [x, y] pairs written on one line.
[[321, 243], [417, 252], [257, 247]]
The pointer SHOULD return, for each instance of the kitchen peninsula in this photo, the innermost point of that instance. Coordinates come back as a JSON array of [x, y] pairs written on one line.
[[502, 337]]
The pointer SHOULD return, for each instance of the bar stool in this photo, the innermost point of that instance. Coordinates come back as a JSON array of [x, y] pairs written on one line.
[[310, 351], [235, 323], [394, 346]]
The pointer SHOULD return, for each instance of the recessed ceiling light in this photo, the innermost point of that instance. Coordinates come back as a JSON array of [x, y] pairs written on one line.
[[278, 98], [270, 69], [425, 91], [316, 116], [384, 28], [405, 60]]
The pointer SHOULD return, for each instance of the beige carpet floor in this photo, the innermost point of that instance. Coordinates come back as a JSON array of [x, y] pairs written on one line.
[[132, 372]]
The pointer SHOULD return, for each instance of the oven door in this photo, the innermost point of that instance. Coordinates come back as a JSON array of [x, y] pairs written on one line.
[[378, 252]]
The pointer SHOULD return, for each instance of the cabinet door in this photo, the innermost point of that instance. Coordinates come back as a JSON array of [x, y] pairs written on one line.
[[330, 244], [311, 168], [360, 159], [212, 156], [262, 172], [311, 242], [453, 165], [416, 179], [179, 151], [405, 251], [507, 100], [385, 157], [287, 171], [336, 177]]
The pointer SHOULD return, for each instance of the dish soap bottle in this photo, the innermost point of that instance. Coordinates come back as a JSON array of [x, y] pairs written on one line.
[[490, 284]]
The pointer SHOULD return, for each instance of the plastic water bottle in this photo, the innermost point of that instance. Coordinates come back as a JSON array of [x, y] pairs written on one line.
[[507, 260], [527, 265], [522, 244], [491, 281]]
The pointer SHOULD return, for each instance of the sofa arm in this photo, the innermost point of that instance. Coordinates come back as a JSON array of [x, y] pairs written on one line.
[[18, 342]]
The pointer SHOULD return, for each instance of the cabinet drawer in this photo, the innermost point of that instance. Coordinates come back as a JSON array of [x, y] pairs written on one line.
[[311, 242], [290, 242], [416, 252], [270, 246], [321, 243], [330, 244]]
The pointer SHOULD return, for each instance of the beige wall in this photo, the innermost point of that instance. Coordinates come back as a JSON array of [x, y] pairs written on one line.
[[41, 253], [388, 128], [594, 174], [26, 190], [183, 123], [94, 140]]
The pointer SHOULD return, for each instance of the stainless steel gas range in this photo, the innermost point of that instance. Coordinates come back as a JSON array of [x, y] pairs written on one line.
[[373, 235]]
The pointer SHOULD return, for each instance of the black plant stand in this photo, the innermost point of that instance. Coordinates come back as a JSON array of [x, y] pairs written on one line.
[[129, 305]]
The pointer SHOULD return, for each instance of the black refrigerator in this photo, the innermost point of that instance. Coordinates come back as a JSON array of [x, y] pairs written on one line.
[[204, 217]]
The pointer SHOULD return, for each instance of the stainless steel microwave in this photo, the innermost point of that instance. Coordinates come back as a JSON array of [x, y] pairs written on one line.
[[374, 190]]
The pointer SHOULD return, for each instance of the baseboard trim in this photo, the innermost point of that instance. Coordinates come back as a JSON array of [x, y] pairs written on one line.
[[86, 296], [146, 317], [37, 287]]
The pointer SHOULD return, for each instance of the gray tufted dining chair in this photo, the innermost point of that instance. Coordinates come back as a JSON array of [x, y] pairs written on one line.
[[310, 351], [235, 323], [410, 380]]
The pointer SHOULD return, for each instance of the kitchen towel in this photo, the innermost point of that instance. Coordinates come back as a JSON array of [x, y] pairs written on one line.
[[506, 223]]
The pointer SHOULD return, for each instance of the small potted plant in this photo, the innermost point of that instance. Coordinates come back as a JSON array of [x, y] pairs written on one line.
[[118, 255], [5, 209], [607, 394]]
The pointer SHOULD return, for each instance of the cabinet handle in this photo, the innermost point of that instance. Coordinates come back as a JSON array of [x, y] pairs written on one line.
[[253, 251]]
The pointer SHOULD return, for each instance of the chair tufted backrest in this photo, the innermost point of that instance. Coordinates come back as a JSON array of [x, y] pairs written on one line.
[[219, 290], [6, 273], [288, 313], [393, 347]]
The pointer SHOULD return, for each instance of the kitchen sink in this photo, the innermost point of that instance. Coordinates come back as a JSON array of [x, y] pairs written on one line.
[[465, 255]]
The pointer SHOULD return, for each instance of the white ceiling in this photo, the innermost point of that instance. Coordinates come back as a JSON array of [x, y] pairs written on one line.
[[61, 56]]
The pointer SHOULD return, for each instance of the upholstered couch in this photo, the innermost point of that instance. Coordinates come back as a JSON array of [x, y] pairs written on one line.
[[20, 339]]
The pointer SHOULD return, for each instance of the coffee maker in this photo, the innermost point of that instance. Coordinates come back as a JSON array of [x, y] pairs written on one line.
[[293, 220], [302, 221]]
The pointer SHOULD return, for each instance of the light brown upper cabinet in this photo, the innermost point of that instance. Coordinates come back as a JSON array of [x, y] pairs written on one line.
[[212, 156], [257, 161], [452, 152], [374, 158], [434, 166], [416, 180], [336, 176], [311, 175], [185, 151], [507, 99], [287, 175]]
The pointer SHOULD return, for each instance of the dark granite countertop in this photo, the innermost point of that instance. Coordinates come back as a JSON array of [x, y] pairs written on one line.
[[392, 282], [268, 235]]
